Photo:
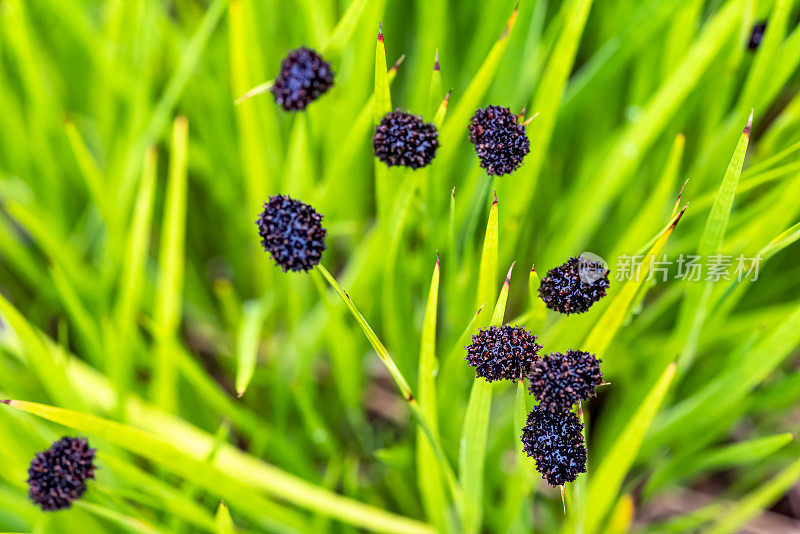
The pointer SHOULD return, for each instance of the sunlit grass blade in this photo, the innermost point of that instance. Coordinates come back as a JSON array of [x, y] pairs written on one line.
[[607, 478], [171, 259], [428, 476], [695, 306], [130, 524], [164, 453], [227, 483], [224, 521], [259, 89], [614, 316]]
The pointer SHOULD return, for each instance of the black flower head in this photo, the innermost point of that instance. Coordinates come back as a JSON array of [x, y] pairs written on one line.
[[570, 288], [58, 476], [405, 139], [505, 352], [555, 442], [292, 233], [756, 36], [303, 78], [558, 381], [500, 140]]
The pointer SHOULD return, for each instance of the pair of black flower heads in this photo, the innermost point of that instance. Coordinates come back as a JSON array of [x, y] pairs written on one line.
[[57, 476], [500, 140]]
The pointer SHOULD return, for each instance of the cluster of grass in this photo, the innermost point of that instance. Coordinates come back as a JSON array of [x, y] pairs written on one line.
[[137, 309]]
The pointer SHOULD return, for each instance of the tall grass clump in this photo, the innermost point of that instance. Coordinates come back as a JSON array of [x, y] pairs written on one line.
[[517, 266]]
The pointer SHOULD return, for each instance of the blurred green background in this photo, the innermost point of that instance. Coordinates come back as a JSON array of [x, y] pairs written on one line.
[[137, 301]]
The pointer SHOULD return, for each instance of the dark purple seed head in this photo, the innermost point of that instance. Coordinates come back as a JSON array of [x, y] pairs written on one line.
[[292, 233], [559, 381], [503, 353], [565, 291], [303, 78], [756, 36], [405, 139], [555, 442], [500, 140], [58, 476]]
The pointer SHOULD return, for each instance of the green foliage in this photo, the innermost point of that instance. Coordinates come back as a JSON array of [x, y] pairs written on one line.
[[140, 141]]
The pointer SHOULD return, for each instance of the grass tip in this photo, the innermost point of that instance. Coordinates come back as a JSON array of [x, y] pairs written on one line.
[[436, 61], [398, 63], [749, 124], [6, 401], [530, 119], [494, 202], [380, 31], [508, 276]]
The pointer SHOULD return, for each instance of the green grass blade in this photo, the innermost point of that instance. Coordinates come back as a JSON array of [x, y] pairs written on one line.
[[428, 476], [474, 435], [608, 477], [247, 343], [400, 381], [344, 28], [696, 304], [224, 521], [171, 261], [614, 316], [756, 501]]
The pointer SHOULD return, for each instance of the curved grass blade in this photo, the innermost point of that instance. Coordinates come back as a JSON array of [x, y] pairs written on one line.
[[400, 381], [608, 477], [233, 475], [169, 457]]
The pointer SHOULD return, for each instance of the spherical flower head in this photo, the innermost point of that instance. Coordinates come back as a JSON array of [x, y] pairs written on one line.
[[405, 139], [503, 353], [558, 381], [58, 476], [500, 140], [564, 289], [555, 441], [303, 78], [292, 233]]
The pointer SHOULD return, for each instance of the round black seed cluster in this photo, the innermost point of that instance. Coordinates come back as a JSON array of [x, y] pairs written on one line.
[[503, 353], [500, 140], [562, 290], [58, 476], [303, 78], [558, 381], [292, 233], [555, 441], [405, 139]]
